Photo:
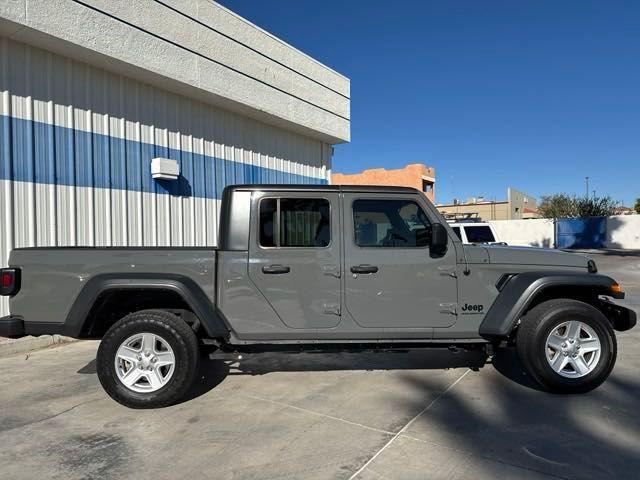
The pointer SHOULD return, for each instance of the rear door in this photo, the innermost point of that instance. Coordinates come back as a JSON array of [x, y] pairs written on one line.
[[295, 256], [392, 280]]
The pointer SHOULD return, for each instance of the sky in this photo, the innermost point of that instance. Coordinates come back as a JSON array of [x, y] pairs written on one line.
[[535, 95]]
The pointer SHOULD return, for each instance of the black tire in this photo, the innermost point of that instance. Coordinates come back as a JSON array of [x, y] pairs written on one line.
[[538, 324], [175, 332]]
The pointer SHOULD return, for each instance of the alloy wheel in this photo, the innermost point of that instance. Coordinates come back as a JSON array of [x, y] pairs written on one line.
[[573, 349], [145, 362]]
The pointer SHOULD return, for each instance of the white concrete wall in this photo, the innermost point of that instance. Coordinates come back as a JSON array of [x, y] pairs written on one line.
[[623, 231], [528, 233]]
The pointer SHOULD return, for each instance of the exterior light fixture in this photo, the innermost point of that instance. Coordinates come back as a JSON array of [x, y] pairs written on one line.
[[165, 169]]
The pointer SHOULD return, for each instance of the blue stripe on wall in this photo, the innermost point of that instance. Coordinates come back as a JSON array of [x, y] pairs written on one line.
[[42, 153]]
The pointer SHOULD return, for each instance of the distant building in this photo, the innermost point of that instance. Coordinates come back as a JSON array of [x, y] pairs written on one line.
[[622, 210], [415, 175], [518, 205]]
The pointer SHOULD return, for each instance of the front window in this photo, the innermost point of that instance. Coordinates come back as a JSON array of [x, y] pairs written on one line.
[[390, 223]]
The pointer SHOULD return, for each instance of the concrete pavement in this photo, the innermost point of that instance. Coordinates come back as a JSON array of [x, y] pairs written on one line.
[[376, 415]]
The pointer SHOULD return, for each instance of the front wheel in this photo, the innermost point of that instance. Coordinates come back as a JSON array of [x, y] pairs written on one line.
[[567, 346], [148, 359]]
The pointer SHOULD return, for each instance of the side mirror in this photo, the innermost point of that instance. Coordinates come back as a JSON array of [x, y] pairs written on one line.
[[439, 239]]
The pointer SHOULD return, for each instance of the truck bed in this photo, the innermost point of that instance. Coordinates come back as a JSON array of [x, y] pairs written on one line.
[[62, 272]]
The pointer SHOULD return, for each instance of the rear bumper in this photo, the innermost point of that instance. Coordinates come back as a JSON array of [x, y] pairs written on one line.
[[15, 327], [11, 327]]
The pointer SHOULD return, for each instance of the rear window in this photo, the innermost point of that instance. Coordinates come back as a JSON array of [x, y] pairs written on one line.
[[479, 234], [303, 222], [456, 230]]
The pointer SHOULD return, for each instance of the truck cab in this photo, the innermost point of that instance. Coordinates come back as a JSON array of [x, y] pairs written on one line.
[[339, 263]]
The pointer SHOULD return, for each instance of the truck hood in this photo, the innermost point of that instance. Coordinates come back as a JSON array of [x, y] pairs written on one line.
[[501, 254]]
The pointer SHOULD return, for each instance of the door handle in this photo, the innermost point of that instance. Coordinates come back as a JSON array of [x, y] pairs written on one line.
[[275, 269], [364, 269]]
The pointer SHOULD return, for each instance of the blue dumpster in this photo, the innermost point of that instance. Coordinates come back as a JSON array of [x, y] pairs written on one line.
[[581, 232]]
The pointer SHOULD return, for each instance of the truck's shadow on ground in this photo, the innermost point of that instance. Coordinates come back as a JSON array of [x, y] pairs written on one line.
[[506, 362], [214, 370]]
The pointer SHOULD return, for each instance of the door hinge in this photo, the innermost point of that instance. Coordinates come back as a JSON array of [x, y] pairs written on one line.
[[451, 308], [448, 271], [331, 308], [331, 270]]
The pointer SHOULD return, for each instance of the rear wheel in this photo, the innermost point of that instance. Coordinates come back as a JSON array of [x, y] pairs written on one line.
[[567, 346], [148, 359]]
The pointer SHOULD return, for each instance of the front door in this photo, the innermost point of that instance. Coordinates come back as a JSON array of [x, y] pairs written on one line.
[[295, 256], [392, 280]]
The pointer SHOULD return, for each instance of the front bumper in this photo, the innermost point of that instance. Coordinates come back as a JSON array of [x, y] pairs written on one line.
[[623, 313]]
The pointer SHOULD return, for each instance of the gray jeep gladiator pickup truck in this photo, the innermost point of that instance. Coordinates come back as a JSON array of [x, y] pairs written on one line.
[[317, 267]]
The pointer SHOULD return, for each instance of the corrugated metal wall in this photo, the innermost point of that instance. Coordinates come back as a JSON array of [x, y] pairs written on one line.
[[76, 144]]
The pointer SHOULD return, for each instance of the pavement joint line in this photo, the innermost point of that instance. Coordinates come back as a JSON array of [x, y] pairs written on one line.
[[319, 414], [403, 429], [484, 457]]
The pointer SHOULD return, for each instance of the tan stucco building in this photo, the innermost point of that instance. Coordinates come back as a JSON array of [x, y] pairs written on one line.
[[518, 205], [415, 175]]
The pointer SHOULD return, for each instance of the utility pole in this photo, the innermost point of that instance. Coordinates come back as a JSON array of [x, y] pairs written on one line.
[[586, 179]]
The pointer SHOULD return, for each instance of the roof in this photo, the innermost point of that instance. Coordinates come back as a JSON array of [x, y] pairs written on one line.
[[201, 50], [323, 188]]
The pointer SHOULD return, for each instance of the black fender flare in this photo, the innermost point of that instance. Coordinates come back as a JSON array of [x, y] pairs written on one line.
[[520, 290], [209, 315]]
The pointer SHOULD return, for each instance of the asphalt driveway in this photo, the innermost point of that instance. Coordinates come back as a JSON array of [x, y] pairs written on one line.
[[420, 414]]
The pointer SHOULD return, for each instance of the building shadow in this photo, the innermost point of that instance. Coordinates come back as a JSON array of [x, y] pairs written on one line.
[[495, 424]]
